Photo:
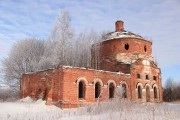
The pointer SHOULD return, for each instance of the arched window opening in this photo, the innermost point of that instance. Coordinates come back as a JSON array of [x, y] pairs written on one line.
[[147, 77], [139, 92], [147, 94], [126, 46], [145, 49], [111, 90], [81, 90], [124, 91], [154, 77], [155, 93], [139, 76], [97, 90]]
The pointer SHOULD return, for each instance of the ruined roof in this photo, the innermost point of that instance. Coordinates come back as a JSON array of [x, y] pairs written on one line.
[[82, 68], [122, 34]]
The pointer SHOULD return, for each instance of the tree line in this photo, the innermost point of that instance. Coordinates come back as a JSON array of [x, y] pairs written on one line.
[[171, 90]]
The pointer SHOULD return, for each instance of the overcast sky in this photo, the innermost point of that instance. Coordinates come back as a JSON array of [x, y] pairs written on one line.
[[157, 20]]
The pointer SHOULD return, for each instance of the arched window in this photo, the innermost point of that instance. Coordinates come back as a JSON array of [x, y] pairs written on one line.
[[126, 46], [139, 92], [147, 77], [145, 49], [111, 90], [155, 93], [147, 94], [124, 91], [81, 90], [97, 90]]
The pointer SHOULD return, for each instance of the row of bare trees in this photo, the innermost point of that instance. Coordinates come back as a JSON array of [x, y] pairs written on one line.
[[62, 47], [171, 91]]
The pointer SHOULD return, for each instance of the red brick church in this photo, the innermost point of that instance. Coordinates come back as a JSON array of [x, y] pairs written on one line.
[[126, 64]]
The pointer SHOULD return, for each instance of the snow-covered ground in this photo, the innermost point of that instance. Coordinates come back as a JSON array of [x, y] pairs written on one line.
[[26, 109]]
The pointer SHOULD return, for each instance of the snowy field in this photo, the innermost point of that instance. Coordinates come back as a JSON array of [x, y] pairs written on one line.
[[26, 109]]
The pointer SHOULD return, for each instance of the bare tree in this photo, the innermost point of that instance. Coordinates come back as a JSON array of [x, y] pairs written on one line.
[[24, 57], [59, 45], [168, 90], [63, 48], [177, 91], [84, 45]]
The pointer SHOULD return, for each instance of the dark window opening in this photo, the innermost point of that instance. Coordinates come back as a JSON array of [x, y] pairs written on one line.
[[145, 49], [126, 46], [139, 76], [147, 77], [97, 90], [124, 91], [139, 92], [81, 89], [154, 77], [155, 93], [111, 90]]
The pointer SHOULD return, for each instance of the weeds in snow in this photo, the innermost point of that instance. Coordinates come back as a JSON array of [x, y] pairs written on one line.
[[117, 109]]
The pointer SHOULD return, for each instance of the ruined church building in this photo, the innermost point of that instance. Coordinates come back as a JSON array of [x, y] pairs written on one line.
[[125, 62]]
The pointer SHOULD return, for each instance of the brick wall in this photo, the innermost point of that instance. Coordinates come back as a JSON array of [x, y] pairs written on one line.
[[114, 50]]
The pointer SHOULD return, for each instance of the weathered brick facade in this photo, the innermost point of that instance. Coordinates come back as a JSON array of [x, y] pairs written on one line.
[[125, 62]]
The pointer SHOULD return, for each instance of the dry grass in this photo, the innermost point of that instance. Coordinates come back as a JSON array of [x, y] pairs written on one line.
[[118, 109]]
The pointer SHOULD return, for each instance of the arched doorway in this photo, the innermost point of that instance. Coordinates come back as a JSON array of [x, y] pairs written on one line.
[[147, 94], [155, 93], [139, 92], [97, 90], [111, 90], [81, 90], [124, 91]]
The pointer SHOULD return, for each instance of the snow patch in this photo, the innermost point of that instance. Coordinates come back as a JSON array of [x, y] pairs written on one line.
[[26, 100], [116, 109], [82, 68]]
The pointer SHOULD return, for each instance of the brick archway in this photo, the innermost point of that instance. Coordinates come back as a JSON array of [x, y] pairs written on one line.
[[82, 79], [139, 84], [111, 88], [81, 87], [139, 88], [97, 87], [148, 92], [155, 91], [125, 89], [111, 81], [98, 80]]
